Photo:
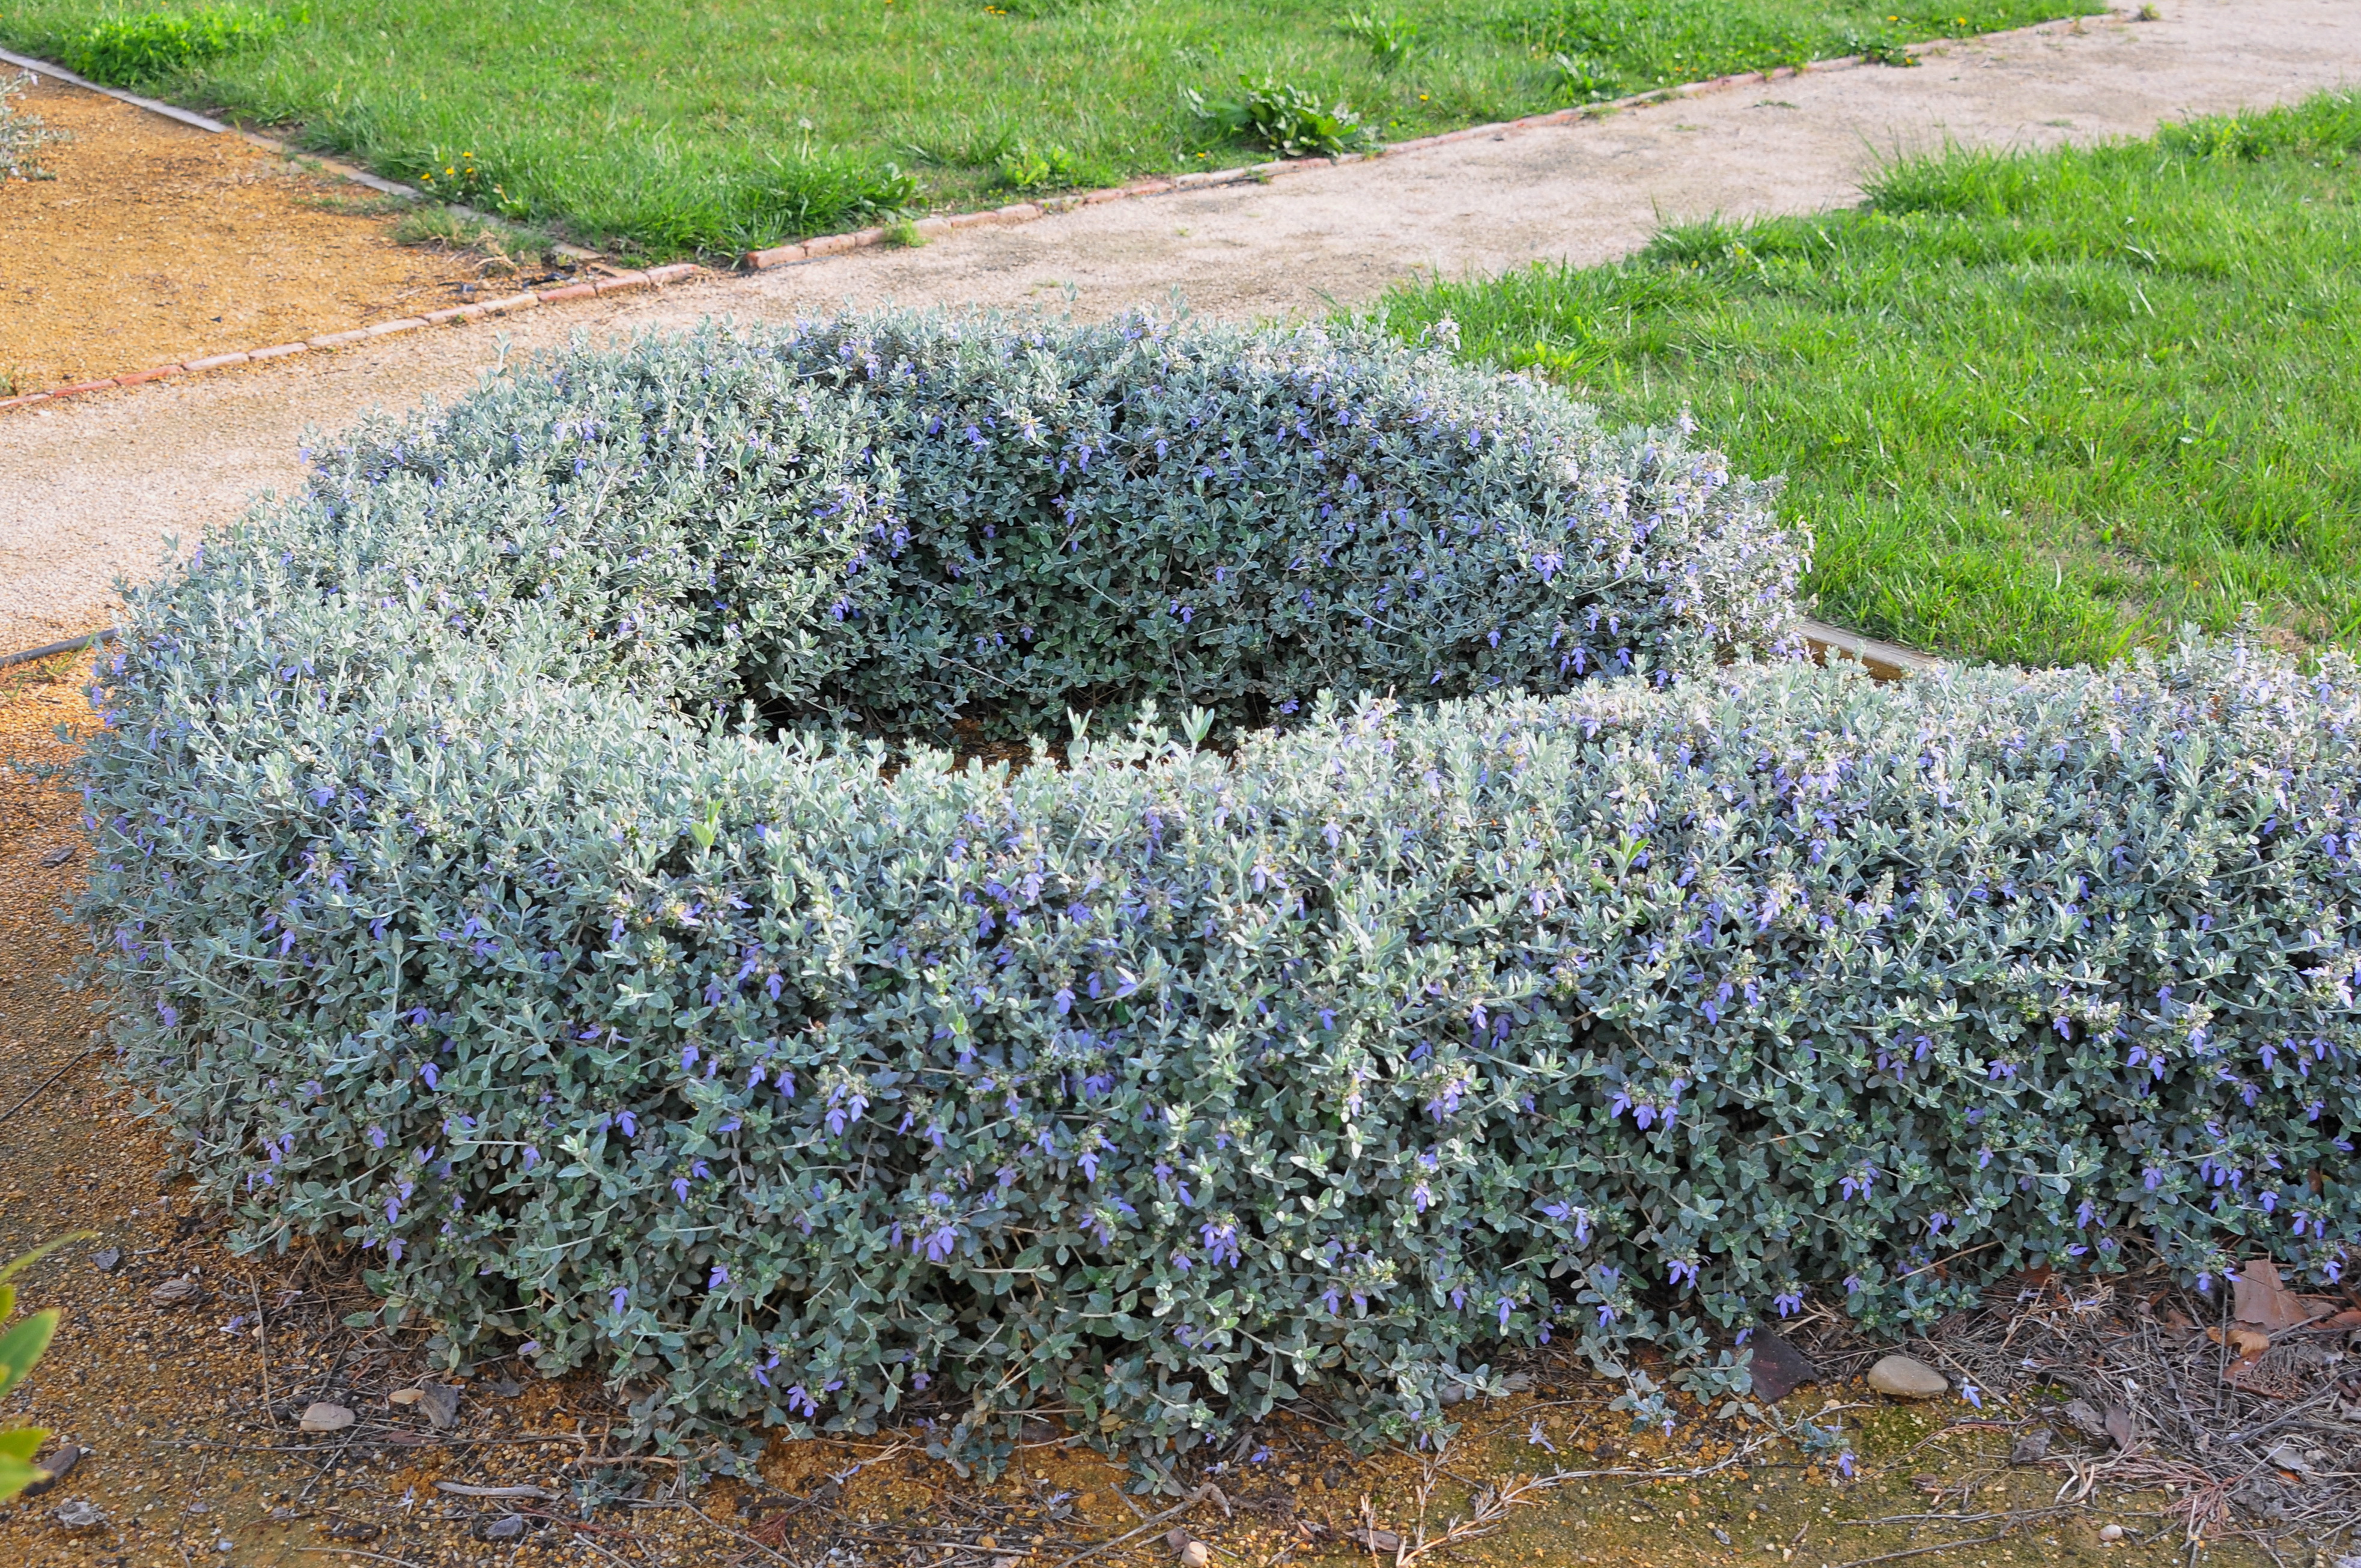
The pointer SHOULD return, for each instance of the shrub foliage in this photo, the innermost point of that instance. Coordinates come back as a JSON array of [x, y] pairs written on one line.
[[448, 913], [900, 520]]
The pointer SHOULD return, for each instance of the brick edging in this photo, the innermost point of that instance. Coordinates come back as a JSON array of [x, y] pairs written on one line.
[[456, 315]]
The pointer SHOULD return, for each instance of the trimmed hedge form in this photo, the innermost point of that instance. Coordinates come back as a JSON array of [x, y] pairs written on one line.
[[897, 520], [1166, 1087]]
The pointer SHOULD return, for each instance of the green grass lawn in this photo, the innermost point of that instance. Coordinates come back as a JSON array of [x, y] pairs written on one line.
[[695, 125], [2040, 408]]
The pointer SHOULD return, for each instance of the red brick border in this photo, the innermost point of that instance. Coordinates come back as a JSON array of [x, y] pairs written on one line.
[[456, 315]]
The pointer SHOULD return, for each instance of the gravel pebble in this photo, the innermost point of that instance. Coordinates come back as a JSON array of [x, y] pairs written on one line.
[[1905, 1378], [325, 1417]]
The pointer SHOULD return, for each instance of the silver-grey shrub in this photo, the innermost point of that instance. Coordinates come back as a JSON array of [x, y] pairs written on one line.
[[899, 520], [1167, 1085]]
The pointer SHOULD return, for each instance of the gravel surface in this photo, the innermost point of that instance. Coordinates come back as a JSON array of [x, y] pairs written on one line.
[[93, 489], [157, 242]]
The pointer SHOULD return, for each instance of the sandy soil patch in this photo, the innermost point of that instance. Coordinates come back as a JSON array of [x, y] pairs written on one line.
[[157, 242]]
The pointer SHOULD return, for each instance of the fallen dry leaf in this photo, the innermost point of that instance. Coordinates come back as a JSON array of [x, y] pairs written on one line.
[[2120, 1428], [2265, 1302], [2248, 1344]]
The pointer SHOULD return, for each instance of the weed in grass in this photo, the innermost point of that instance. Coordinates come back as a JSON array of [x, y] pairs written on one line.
[[1285, 118], [1582, 78], [504, 249], [1023, 169], [22, 136], [150, 45], [719, 129], [904, 235], [459, 178], [1391, 40], [1884, 52], [2038, 407]]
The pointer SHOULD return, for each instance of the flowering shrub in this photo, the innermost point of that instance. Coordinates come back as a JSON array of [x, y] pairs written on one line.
[[1165, 1087], [898, 520]]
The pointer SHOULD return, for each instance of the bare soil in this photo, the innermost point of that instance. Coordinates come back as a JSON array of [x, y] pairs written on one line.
[[155, 242]]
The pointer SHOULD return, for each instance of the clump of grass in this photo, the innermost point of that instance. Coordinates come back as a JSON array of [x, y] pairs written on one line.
[[810, 192], [22, 136], [2042, 408], [1391, 40], [697, 199], [503, 248], [371, 205], [150, 45], [902, 235], [1285, 118]]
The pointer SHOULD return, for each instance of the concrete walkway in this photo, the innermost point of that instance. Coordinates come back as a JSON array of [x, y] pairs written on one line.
[[95, 486]]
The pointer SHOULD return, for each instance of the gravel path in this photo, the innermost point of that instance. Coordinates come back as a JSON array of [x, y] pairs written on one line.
[[96, 487]]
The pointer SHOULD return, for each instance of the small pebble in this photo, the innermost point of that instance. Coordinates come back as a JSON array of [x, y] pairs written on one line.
[[2111, 1533], [505, 1527], [1196, 1555], [1903, 1378], [75, 1513], [58, 1465], [176, 1292], [325, 1417], [105, 1258], [404, 1397]]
